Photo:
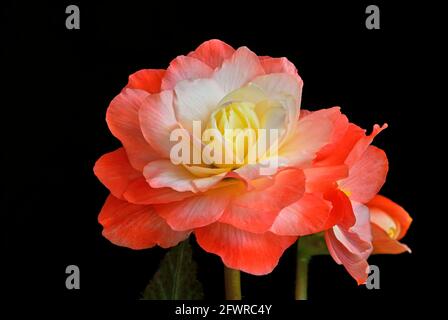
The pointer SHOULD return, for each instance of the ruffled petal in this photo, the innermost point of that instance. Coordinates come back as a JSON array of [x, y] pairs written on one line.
[[366, 176], [253, 253], [136, 226], [122, 119], [306, 216], [185, 68], [115, 172], [147, 79], [213, 52], [238, 70], [256, 210]]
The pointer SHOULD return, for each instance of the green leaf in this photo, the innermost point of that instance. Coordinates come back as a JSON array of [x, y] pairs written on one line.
[[176, 277]]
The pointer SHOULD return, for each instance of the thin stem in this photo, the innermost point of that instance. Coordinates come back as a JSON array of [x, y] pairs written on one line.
[[232, 284], [303, 260]]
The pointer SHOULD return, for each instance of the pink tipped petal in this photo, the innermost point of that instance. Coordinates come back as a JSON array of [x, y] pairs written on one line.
[[139, 192], [197, 211], [136, 226], [146, 79], [196, 100], [123, 122], [213, 53], [354, 264], [115, 172], [185, 68], [238, 70], [278, 65], [305, 216], [158, 120], [310, 135], [256, 254], [361, 146], [256, 210], [366, 176]]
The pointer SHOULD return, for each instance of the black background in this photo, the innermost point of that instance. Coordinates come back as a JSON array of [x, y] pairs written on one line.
[[59, 83]]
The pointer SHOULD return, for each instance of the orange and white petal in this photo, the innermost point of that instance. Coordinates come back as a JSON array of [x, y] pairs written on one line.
[[238, 70], [213, 53], [256, 210], [115, 172], [157, 120], [306, 216], [384, 206], [185, 68], [149, 80], [384, 244], [253, 253], [366, 176], [122, 119], [136, 226]]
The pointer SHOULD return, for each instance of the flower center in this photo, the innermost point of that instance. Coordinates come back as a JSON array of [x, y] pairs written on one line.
[[237, 124]]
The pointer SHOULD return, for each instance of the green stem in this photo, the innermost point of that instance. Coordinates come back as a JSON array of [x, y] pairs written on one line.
[[303, 260], [232, 284]]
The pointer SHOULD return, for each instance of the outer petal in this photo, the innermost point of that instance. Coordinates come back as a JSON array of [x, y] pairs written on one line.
[[307, 216], [366, 176], [362, 144], [147, 79], [185, 68], [238, 70], [197, 211], [356, 266], [392, 209], [253, 253], [351, 247], [139, 192], [384, 244], [278, 65], [136, 226], [213, 53], [122, 118], [157, 120], [256, 210], [115, 172]]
